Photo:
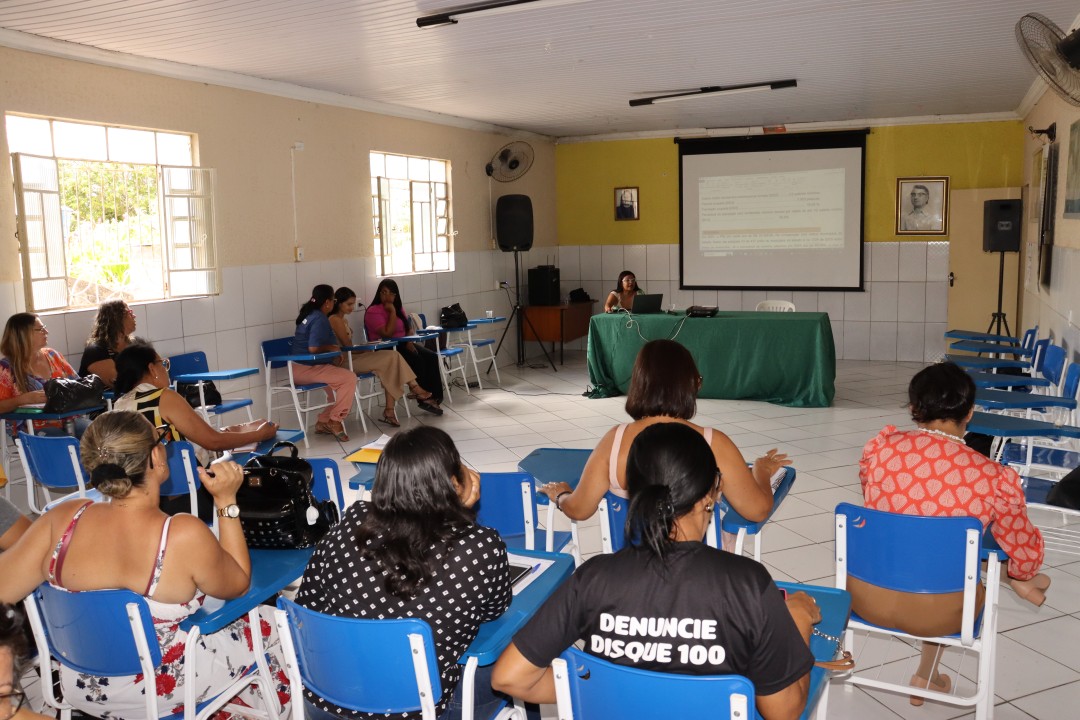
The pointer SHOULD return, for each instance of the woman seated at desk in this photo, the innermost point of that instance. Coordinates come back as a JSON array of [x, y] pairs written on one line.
[[930, 471], [394, 557], [113, 328], [174, 562], [27, 364], [663, 389], [665, 571], [385, 319], [622, 297]]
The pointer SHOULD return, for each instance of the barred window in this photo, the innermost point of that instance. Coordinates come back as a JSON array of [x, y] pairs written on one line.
[[110, 213], [410, 208]]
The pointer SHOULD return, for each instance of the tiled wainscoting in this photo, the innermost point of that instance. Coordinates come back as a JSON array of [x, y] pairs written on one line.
[[900, 316], [1052, 309]]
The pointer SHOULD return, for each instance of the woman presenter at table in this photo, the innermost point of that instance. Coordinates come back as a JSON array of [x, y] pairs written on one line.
[[930, 471], [173, 562], [739, 618], [415, 550], [663, 389], [626, 288]]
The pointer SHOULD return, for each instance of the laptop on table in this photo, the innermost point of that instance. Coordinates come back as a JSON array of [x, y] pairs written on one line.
[[647, 304]]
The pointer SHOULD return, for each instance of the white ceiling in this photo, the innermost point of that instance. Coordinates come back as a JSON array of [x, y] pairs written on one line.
[[569, 71]]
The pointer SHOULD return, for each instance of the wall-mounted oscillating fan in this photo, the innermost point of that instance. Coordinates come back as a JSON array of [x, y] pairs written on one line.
[[1053, 53], [511, 162]]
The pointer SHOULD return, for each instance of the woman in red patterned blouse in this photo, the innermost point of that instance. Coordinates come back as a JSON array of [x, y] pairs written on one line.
[[930, 471]]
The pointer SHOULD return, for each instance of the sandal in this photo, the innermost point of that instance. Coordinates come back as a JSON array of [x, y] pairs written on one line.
[[918, 682], [430, 406], [328, 428], [389, 418]]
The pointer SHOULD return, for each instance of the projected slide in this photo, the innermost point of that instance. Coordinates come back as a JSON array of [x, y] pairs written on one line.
[[772, 212]]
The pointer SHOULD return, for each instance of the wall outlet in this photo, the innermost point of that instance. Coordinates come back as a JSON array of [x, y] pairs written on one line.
[[298, 253], [502, 285]]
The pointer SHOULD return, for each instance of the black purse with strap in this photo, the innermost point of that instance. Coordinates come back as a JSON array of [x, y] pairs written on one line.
[[65, 394], [452, 316], [277, 508], [190, 392]]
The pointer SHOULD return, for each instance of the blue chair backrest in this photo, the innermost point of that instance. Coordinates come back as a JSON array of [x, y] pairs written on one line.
[[500, 506], [277, 348], [186, 363], [1072, 381], [327, 488], [182, 460], [90, 631], [617, 508], [53, 461], [908, 553], [600, 690], [1028, 340], [361, 665], [1053, 363]]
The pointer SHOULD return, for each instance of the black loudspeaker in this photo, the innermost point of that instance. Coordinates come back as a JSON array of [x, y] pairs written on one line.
[[544, 285], [1001, 225], [514, 222]]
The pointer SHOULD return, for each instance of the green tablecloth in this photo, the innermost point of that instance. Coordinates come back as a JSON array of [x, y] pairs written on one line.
[[782, 358]]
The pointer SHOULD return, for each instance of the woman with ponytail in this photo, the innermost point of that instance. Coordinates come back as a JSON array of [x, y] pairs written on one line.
[[314, 335], [667, 602], [128, 543]]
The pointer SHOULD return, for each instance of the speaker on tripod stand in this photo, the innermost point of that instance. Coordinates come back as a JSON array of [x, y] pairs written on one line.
[[514, 233], [1001, 234]]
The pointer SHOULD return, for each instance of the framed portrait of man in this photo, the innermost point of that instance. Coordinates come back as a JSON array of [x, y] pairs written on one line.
[[922, 206], [626, 203]]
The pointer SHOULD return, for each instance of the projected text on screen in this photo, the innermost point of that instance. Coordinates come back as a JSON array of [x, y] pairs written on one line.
[[795, 210]]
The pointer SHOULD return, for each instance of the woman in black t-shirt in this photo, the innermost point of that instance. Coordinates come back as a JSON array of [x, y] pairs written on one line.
[[113, 329], [668, 602]]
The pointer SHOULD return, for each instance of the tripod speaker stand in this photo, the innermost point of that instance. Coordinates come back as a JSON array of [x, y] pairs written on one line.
[[1001, 234], [521, 317]]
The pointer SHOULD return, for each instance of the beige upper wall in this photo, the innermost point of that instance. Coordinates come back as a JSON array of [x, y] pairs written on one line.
[[1051, 109], [247, 136]]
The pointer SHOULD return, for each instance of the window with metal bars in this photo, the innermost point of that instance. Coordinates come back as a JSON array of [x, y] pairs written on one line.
[[110, 213], [410, 208]]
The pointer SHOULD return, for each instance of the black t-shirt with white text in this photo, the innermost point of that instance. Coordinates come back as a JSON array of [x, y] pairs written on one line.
[[700, 611]]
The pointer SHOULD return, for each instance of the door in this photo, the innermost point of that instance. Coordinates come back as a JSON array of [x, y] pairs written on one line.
[[973, 285]]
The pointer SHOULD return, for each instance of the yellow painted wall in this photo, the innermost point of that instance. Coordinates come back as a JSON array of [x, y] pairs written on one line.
[[973, 155]]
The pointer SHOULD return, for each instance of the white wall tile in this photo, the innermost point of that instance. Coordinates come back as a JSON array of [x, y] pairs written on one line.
[[729, 300], [705, 297], [838, 337], [750, 299], [165, 320], [283, 293], [934, 342], [856, 307], [884, 261], [254, 335], [206, 342], [611, 263], [198, 315], [911, 304], [307, 275], [805, 301], [570, 263], [229, 305], [258, 302], [937, 260], [674, 268], [173, 346], [231, 351], [856, 340], [681, 298], [429, 286], [883, 341], [72, 329], [352, 275], [909, 341], [778, 295], [444, 285], [332, 273], [590, 264], [486, 278], [912, 262], [831, 303], [937, 301], [658, 262], [634, 261], [883, 301]]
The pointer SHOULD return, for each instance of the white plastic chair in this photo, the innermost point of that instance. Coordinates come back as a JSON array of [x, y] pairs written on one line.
[[775, 306]]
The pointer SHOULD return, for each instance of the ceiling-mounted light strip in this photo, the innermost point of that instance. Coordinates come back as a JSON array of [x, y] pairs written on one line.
[[713, 90], [501, 7]]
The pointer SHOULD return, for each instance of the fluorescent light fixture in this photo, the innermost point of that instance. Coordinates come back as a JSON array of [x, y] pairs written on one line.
[[501, 7], [713, 90]]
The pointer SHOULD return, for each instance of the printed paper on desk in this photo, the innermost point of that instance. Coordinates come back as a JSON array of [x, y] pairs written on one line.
[[540, 565], [369, 453]]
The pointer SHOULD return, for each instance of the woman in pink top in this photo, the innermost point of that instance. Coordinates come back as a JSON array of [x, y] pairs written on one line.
[[385, 319], [663, 388], [930, 471]]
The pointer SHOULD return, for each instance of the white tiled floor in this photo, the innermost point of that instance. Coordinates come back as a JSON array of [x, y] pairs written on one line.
[[1038, 668]]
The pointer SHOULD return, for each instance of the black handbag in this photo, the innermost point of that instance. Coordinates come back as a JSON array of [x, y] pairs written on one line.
[[277, 509], [453, 316], [190, 392], [1066, 491], [67, 394]]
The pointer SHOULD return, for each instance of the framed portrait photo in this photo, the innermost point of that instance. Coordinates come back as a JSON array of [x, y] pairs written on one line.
[[626, 203], [922, 206]]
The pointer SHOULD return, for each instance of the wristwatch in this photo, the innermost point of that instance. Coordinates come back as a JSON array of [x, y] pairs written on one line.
[[229, 511]]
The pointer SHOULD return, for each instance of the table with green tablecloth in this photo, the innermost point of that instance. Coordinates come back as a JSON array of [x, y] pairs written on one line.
[[779, 357]]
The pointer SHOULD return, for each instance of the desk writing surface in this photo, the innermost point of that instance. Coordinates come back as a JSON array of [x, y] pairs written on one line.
[[782, 358]]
